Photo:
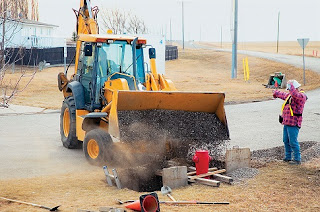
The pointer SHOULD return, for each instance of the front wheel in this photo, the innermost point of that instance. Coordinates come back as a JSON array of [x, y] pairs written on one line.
[[68, 124], [97, 147]]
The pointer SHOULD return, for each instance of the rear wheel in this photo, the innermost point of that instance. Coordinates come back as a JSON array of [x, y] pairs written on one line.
[[97, 147], [68, 124]]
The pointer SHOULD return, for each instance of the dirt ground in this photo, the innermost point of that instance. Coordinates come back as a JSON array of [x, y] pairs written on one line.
[[285, 47], [278, 186], [195, 70]]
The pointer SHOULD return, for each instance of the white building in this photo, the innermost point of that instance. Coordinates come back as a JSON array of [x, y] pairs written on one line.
[[30, 34]]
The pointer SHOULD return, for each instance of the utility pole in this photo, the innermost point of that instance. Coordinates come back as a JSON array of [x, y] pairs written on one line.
[[182, 7], [278, 32], [200, 34], [235, 40], [221, 38], [170, 32]]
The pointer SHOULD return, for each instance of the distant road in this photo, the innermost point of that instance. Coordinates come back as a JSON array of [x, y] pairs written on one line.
[[312, 63]]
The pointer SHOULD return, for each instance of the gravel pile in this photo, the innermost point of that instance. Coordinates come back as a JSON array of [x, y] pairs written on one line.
[[153, 131], [310, 153], [277, 153], [243, 173], [181, 128]]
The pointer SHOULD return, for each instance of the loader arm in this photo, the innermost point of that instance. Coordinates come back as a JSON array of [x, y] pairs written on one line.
[[154, 80]]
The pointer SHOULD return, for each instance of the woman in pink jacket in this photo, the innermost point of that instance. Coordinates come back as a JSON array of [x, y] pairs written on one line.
[[291, 119]]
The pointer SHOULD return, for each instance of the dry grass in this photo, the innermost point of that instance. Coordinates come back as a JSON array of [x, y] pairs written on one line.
[[203, 70], [195, 70], [278, 187], [285, 47]]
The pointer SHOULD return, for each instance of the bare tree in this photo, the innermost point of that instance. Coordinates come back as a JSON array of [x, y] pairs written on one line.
[[10, 25], [115, 20], [121, 21], [136, 25]]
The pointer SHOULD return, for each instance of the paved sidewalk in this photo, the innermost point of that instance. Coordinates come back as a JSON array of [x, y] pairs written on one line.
[[24, 110]]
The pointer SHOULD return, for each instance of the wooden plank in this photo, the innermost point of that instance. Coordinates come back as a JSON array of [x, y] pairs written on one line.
[[208, 182], [206, 174], [223, 178], [84, 210], [115, 174], [194, 172], [110, 209], [108, 176]]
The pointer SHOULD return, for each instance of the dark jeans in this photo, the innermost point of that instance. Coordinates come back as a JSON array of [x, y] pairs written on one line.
[[291, 144]]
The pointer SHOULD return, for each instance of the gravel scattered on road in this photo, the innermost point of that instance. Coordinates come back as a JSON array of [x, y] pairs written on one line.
[[308, 149], [311, 153], [241, 174], [277, 153]]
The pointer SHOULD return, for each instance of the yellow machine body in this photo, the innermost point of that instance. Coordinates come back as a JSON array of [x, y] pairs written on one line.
[[158, 93]]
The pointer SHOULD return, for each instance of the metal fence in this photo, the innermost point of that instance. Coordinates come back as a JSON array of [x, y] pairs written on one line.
[[34, 56], [54, 56], [171, 52]]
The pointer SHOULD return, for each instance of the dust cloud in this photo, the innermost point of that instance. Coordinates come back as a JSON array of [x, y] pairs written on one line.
[[151, 139]]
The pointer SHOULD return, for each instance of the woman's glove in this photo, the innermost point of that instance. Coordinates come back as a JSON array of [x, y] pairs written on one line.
[[274, 93]]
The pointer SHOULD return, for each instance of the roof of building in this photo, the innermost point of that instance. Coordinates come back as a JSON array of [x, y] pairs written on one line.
[[26, 21]]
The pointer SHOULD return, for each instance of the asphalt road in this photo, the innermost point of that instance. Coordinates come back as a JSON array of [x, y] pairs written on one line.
[[30, 145], [30, 140], [311, 63], [255, 125]]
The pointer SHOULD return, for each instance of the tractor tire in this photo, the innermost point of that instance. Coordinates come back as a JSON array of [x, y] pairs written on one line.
[[68, 124], [97, 147]]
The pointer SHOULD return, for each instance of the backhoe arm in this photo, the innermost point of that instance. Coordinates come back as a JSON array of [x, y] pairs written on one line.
[[86, 23]]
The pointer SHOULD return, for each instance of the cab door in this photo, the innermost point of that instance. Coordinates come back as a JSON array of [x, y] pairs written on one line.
[[88, 73]]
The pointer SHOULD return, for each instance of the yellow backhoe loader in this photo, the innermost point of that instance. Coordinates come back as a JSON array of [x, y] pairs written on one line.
[[114, 97]]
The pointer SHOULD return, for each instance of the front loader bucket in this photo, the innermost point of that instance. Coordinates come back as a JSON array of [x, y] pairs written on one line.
[[143, 115]]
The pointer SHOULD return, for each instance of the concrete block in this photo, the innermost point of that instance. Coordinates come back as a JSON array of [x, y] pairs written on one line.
[[175, 177], [237, 158]]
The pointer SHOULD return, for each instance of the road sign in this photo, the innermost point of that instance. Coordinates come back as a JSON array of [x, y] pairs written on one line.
[[303, 42]]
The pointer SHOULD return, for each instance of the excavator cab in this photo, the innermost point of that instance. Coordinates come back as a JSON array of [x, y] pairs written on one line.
[[107, 61]]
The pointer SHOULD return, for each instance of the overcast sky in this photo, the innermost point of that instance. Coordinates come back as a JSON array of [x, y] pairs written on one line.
[[257, 18]]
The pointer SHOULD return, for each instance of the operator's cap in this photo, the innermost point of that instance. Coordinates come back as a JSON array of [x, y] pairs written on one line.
[[294, 83]]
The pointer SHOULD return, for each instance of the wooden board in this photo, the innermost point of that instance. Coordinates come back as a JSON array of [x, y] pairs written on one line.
[[206, 174], [223, 178], [208, 182], [194, 172]]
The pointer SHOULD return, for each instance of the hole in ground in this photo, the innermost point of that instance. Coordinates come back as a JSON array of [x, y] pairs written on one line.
[[140, 178]]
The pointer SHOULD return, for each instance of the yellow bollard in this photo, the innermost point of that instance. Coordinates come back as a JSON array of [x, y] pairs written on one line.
[[244, 70], [247, 69]]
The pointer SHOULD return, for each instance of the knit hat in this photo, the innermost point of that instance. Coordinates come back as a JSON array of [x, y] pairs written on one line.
[[294, 83]]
